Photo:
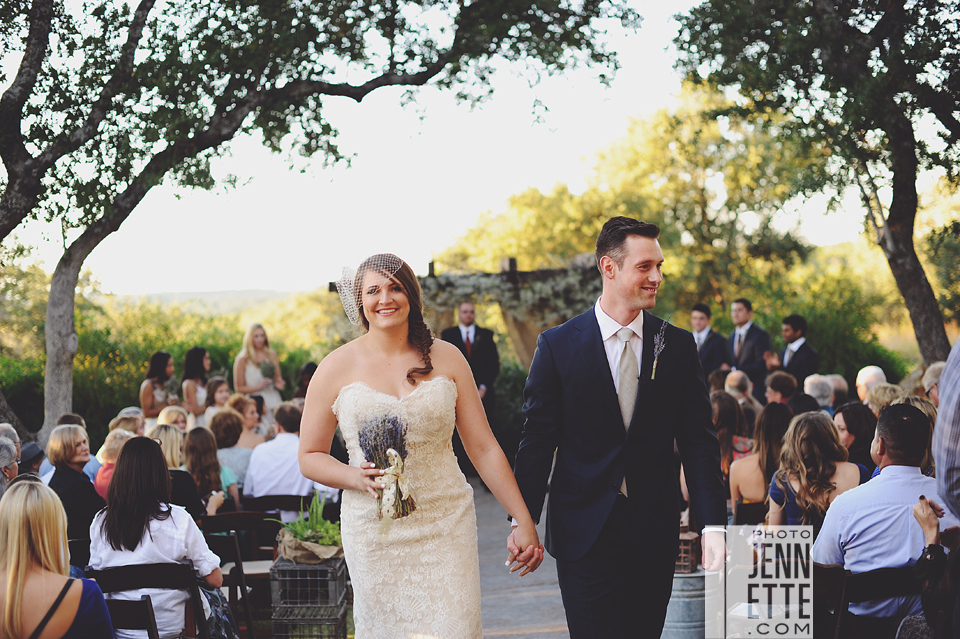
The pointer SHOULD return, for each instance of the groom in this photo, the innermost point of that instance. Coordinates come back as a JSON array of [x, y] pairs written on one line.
[[608, 392]]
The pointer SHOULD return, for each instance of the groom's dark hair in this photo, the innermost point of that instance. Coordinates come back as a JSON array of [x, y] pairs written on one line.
[[614, 235]]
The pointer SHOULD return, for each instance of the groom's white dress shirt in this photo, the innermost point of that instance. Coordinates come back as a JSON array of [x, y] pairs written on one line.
[[611, 343]]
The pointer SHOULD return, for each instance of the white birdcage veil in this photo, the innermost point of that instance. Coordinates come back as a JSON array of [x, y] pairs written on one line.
[[351, 281]]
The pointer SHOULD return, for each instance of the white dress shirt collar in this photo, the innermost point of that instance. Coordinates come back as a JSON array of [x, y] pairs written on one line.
[[701, 336], [610, 326], [743, 329], [612, 347], [468, 331], [795, 345]]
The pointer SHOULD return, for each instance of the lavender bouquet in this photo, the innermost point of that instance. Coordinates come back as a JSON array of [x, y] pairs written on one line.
[[383, 442], [267, 369]]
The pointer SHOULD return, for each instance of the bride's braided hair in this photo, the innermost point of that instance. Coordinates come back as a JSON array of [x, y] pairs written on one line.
[[419, 335]]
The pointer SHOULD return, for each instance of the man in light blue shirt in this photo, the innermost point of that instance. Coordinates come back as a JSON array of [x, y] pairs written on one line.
[[872, 526]]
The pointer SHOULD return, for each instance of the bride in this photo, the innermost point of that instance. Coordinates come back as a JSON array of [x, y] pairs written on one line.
[[416, 575]]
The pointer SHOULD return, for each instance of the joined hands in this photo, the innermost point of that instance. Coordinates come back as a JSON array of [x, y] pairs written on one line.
[[528, 560]]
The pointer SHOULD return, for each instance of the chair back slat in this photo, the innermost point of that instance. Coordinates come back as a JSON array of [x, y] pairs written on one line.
[[749, 513], [227, 548], [270, 503], [134, 615], [883, 583], [829, 598]]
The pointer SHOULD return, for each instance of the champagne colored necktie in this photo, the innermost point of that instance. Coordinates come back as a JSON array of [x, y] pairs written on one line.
[[629, 380]]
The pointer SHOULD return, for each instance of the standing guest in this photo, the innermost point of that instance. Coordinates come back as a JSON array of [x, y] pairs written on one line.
[[841, 390], [69, 450], [247, 408], [931, 381], [867, 378], [31, 457], [748, 343], [711, 345], [213, 480], [819, 388], [174, 416], [480, 350], [882, 395], [141, 527], [39, 599], [813, 471], [111, 450], [196, 365], [227, 426], [857, 424], [153, 392], [750, 476], [256, 370], [274, 469], [927, 466], [8, 464], [218, 392], [306, 374], [781, 386], [183, 490], [798, 358]]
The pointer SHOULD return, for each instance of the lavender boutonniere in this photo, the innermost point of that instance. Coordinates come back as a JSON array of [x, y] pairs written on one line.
[[659, 342], [383, 441]]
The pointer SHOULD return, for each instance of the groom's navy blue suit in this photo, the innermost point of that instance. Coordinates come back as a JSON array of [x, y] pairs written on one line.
[[571, 407]]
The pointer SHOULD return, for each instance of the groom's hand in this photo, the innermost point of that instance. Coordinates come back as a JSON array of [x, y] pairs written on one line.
[[528, 560], [714, 550]]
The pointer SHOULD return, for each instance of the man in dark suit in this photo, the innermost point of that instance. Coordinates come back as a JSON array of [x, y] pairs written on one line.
[[748, 343], [608, 393], [799, 358], [478, 347], [712, 346]]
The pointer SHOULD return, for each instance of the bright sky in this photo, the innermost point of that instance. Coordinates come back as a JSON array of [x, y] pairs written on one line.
[[415, 183]]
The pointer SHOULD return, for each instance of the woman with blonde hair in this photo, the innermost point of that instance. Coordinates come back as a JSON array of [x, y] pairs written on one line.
[[183, 490], [38, 598], [174, 416], [110, 451], [256, 370], [813, 471], [68, 450]]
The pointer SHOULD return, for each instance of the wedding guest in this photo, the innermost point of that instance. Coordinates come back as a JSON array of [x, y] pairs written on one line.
[[111, 450], [813, 471], [91, 467], [8, 432], [264, 427], [137, 413], [867, 378], [227, 426], [882, 395], [739, 385], [39, 599], [841, 390], [69, 450], [174, 416], [141, 527], [256, 370], [927, 466], [218, 392], [30, 458], [750, 476], [857, 424], [781, 386], [717, 379], [196, 365], [803, 403], [931, 382], [183, 490], [306, 374], [247, 408], [731, 428], [8, 463], [213, 480], [820, 388], [153, 393]]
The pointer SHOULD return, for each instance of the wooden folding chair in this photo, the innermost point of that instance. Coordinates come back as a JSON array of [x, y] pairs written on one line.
[[746, 514], [134, 615], [226, 547], [884, 583], [829, 599], [247, 525], [161, 576]]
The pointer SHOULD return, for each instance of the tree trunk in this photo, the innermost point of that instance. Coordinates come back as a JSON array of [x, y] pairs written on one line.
[[7, 416], [61, 341]]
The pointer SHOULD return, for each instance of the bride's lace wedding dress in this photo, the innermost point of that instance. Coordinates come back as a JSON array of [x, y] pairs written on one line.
[[422, 578]]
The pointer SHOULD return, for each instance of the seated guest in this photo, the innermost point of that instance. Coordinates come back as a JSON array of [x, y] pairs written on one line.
[[8, 432], [8, 463], [927, 466], [717, 379], [781, 386], [841, 390], [90, 468], [931, 382], [30, 458], [274, 469], [227, 426], [111, 450], [68, 450], [813, 472], [247, 407], [183, 490], [803, 403], [731, 428], [867, 378], [218, 392], [934, 570], [740, 386], [882, 395], [141, 527], [857, 424], [214, 482], [750, 476], [820, 388], [39, 599], [873, 526], [131, 420], [174, 416]]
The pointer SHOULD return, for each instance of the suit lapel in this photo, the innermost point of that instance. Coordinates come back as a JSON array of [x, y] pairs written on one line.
[[589, 344]]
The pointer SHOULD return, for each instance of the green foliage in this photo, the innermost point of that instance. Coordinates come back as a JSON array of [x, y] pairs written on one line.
[[310, 526], [22, 384], [943, 248]]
